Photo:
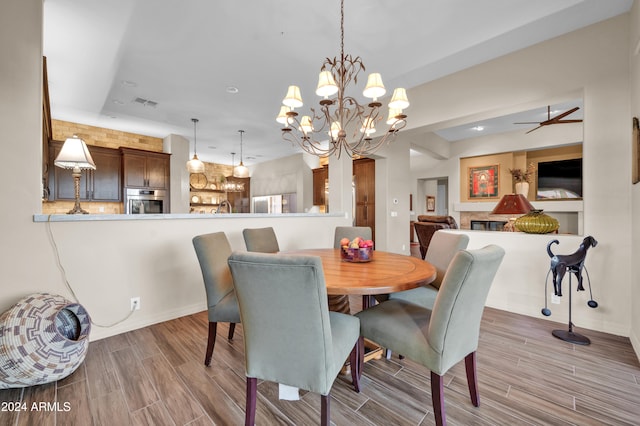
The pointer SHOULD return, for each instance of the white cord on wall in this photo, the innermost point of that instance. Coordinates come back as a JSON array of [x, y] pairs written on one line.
[[68, 285]]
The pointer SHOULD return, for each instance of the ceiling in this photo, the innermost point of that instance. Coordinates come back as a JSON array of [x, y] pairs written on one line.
[[110, 61]]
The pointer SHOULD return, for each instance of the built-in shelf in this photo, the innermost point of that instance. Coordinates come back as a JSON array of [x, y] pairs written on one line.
[[204, 205], [219, 191], [548, 206]]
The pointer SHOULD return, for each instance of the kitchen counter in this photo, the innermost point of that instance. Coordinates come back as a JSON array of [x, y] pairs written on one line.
[[170, 216]]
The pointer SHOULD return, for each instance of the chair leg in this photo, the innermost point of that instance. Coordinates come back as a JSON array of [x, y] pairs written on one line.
[[437, 398], [325, 411], [472, 378], [250, 413], [211, 342], [232, 328], [354, 361], [360, 357]]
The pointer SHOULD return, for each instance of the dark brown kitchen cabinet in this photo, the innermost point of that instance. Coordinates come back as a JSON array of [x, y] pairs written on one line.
[[364, 175], [320, 177], [102, 184], [145, 169]]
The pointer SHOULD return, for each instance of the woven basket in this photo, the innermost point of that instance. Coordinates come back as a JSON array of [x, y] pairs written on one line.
[[43, 338]]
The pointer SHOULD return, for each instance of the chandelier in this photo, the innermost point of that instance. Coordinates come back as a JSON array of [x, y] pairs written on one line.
[[342, 115], [228, 185]]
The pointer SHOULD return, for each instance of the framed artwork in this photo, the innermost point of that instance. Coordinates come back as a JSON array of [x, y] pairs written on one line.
[[431, 203], [483, 182], [635, 167]]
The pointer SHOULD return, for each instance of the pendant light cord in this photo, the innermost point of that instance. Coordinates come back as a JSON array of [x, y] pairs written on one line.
[[195, 139]]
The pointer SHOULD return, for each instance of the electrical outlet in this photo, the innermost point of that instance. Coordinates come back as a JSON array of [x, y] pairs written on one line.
[[135, 303]]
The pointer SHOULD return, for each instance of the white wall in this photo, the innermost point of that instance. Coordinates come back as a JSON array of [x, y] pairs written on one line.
[[634, 68], [178, 147], [282, 176], [592, 63]]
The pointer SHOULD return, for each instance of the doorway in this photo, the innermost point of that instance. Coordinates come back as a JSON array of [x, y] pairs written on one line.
[[433, 197]]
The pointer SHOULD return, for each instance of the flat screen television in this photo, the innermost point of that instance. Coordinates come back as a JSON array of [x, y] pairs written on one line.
[[560, 179]]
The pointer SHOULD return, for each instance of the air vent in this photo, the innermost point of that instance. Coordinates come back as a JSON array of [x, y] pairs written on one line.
[[145, 102]]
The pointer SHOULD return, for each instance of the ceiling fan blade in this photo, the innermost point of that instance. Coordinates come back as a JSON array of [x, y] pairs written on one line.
[[564, 114], [567, 121], [527, 122], [533, 129]]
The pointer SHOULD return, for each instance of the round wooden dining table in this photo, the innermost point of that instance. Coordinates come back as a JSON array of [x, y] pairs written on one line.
[[385, 273]]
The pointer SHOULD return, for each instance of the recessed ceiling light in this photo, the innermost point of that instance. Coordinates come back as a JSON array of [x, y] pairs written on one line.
[[478, 128], [211, 147], [128, 83], [232, 89], [118, 102]]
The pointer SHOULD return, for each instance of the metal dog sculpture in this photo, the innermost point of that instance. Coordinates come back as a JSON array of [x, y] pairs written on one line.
[[574, 262]]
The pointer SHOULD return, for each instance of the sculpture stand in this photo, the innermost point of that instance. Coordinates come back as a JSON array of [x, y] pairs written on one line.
[[569, 335]]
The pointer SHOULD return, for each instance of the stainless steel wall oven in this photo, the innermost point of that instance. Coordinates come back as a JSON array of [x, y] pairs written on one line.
[[146, 201]]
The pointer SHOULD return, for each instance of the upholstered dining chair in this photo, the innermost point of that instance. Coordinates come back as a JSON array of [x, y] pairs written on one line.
[[440, 338], [262, 240], [442, 249], [290, 336], [350, 232], [213, 251]]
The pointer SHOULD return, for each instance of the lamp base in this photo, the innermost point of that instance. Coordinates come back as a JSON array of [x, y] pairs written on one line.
[[571, 337], [77, 210]]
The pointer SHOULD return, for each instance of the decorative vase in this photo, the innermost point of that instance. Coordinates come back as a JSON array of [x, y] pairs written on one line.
[[43, 338], [537, 222], [522, 188]]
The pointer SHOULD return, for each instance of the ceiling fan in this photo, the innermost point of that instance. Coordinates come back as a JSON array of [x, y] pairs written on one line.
[[558, 119]]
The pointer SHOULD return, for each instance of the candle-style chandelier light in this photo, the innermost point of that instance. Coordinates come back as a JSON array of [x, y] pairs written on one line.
[[342, 115]]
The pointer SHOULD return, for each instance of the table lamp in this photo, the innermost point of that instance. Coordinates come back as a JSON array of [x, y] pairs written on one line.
[[75, 155], [512, 204]]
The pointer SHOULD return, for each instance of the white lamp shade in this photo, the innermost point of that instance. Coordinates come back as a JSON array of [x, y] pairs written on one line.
[[399, 99], [393, 113], [369, 126], [374, 88], [74, 153], [335, 129], [282, 116], [195, 165], [326, 84], [305, 124], [293, 98]]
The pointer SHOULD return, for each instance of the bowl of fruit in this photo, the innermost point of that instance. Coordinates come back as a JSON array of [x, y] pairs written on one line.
[[356, 250]]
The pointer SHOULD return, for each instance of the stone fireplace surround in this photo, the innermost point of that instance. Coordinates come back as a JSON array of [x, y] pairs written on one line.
[[568, 212]]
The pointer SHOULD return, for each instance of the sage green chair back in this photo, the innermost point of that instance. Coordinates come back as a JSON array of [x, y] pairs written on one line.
[[351, 232], [444, 336], [213, 251], [442, 249], [262, 240], [444, 246], [290, 335]]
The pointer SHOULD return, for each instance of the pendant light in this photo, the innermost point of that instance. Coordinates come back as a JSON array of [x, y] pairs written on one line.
[[241, 171], [195, 165]]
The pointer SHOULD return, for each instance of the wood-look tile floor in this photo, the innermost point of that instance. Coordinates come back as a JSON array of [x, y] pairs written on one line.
[[156, 376]]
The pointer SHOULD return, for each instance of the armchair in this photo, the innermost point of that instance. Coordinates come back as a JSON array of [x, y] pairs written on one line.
[[427, 225]]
